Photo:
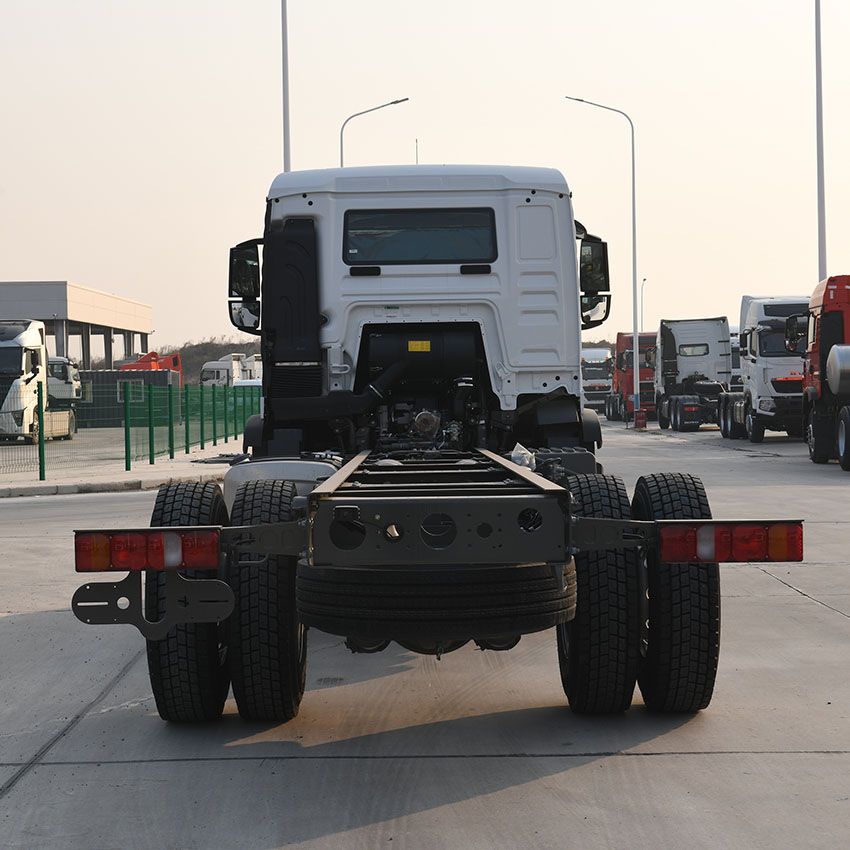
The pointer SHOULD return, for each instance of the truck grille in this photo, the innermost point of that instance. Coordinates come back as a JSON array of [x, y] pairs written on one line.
[[787, 385]]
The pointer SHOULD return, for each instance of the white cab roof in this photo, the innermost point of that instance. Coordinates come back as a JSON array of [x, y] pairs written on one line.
[[402, 178]]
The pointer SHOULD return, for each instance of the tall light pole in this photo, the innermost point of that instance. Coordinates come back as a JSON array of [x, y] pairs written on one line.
[[636, 349], [643, 283], [364, 112], [285, 81], [819, 133]]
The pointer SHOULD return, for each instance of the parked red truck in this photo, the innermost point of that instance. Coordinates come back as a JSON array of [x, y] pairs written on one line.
[[825, 334], [154, 361], [620, 404]]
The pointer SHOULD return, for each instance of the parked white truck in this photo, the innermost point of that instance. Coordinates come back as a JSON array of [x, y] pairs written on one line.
[[771, 395], [597, 366], [23, 369], [231, 368], [64, 386], [417, 323], [693, 367]]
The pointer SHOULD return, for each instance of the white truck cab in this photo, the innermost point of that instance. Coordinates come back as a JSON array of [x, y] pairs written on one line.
[[23, 370], [770, 397], [465, 276]]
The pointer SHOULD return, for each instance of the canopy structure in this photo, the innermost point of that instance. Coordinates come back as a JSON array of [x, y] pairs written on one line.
[[68, 309]]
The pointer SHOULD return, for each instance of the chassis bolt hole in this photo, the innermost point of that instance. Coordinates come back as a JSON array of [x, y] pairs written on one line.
[[438, 531], [529, 519], [347, 534], [485, 529]]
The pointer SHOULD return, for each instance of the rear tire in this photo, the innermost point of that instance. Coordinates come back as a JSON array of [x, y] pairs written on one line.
[[599, 650], [721, 416], [675, 414], [188, 667], [679, 664], [268, 643], [663, 421]]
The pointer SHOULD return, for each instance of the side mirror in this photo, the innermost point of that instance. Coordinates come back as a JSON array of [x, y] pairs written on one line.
[[244, 286], [245, 315], [594, 310], [593, 267], [795, 331]]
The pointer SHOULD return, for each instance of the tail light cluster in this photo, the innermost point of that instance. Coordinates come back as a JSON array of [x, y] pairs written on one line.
[[679, 541], [729, 542], [146, 549]]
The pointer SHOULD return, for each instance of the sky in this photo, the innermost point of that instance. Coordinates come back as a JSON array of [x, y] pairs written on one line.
[[139, 139]]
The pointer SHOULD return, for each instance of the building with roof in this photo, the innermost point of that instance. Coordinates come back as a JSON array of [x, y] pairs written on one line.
[[68, 309]]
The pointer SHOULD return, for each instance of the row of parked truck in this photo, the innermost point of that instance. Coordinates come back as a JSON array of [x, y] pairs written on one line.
[[787, 369]]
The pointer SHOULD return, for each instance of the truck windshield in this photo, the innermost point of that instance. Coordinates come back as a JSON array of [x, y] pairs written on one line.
[[10, 361], [395, 237], [772, 344], [598, 371]]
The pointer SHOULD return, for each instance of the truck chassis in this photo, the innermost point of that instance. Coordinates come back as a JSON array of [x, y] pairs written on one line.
[[431, 550]]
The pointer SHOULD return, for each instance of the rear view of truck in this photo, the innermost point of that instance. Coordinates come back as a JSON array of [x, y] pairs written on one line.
[[423, 471], [693, 368]]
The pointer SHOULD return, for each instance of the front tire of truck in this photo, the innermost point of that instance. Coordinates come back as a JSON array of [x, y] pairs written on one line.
[[755, 429], [598, 650], [682, 634], [819, 437], [722, 422], [663, 421], [188, 667], [268, 643], [844, 438]]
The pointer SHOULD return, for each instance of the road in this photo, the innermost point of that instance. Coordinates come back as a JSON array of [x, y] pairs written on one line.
[[475, 751]]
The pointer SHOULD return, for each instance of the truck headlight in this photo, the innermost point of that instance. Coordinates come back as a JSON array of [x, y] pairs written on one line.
[[767, 404]]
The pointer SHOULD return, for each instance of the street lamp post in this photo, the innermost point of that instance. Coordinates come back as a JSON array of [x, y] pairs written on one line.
[[285, 83], [636, 349], [819, 145], [643, 283], [364, 112]]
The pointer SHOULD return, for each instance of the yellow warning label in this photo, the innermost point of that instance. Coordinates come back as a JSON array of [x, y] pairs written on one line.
[[419, 345]]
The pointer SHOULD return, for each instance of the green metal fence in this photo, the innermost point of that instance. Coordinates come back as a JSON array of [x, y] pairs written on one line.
[[131, 422]]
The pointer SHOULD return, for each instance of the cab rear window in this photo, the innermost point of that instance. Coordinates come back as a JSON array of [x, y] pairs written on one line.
[[696, 349], [419, 236]]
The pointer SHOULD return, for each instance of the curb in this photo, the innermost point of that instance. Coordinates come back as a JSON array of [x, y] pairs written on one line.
[[114, 486]]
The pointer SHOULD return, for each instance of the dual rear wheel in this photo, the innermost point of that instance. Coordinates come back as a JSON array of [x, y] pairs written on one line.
[[262, 648], [638, 620]]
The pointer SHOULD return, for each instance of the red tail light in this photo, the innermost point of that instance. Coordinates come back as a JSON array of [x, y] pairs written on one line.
[[146, 549], [681, 541]]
